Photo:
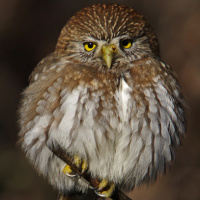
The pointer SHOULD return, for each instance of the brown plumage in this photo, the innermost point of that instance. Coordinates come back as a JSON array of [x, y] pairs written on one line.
[[106, 96]]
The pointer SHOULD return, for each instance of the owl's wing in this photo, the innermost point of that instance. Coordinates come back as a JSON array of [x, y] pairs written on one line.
[[43, 66], [40, 111]]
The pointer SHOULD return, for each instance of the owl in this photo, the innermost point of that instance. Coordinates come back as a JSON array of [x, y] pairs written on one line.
[[106, 99]]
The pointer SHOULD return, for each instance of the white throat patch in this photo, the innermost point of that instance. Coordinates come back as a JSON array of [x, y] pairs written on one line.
[[124, 95]]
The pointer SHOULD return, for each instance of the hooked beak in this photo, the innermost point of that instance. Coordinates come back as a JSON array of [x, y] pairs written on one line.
[[108, 52]]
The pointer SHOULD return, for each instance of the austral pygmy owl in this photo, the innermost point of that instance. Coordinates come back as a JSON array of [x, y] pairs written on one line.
[[106, 99]]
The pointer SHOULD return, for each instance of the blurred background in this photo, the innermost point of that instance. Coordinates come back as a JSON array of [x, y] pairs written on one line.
[[28, 32]]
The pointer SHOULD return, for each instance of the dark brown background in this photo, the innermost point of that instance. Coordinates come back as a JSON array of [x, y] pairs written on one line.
[[29, 30]]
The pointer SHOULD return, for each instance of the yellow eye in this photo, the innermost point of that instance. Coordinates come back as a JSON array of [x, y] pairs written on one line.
[[126, 44], [89, 46]]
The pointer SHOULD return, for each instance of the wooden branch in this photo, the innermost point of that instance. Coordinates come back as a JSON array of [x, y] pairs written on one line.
[[117, 194]]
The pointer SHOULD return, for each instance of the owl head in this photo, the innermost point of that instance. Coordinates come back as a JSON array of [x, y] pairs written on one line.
[[107, 34]]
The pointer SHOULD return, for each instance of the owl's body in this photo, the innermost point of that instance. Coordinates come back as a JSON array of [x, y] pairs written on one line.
[[125, 120]]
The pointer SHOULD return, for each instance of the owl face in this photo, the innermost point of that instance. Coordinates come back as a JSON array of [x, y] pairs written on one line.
[[109, 40], [111, 53]]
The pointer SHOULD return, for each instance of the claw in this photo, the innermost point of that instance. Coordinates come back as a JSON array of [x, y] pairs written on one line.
[[77, 161], [105, 193], [84, 166], [80, 164], [103, 184], [109, 192], [68, 171]]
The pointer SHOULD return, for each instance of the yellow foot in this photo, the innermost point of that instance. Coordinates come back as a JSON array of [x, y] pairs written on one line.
[[68, 171], [105, 189], [80, 164]]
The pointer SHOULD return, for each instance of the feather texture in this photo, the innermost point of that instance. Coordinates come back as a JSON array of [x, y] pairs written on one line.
[[125, 121]]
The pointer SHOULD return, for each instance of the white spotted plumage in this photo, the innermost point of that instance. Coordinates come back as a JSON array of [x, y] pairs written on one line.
[[79, 131], [125, 120]]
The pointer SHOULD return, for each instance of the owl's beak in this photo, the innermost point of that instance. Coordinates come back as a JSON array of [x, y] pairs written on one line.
[[108, 52]]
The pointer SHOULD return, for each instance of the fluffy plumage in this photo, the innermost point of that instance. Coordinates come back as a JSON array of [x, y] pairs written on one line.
[[125, 120]]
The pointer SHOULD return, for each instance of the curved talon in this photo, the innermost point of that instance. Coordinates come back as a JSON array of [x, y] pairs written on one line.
[[84, 166], [68, 171], [107, 192], [103, 184], [77, 161], [71, 175], [80, 163], [99, 194], [93, 188]]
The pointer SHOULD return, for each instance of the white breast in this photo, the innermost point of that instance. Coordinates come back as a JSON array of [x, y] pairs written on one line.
[[124, 98]]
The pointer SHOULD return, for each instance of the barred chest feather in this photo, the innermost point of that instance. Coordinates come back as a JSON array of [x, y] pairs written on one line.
[[119, 131]]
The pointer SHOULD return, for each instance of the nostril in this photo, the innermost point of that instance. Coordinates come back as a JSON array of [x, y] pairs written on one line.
[[114, 49]]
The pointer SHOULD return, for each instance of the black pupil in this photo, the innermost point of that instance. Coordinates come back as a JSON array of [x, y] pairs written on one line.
[[125, 42], [90, 45]]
